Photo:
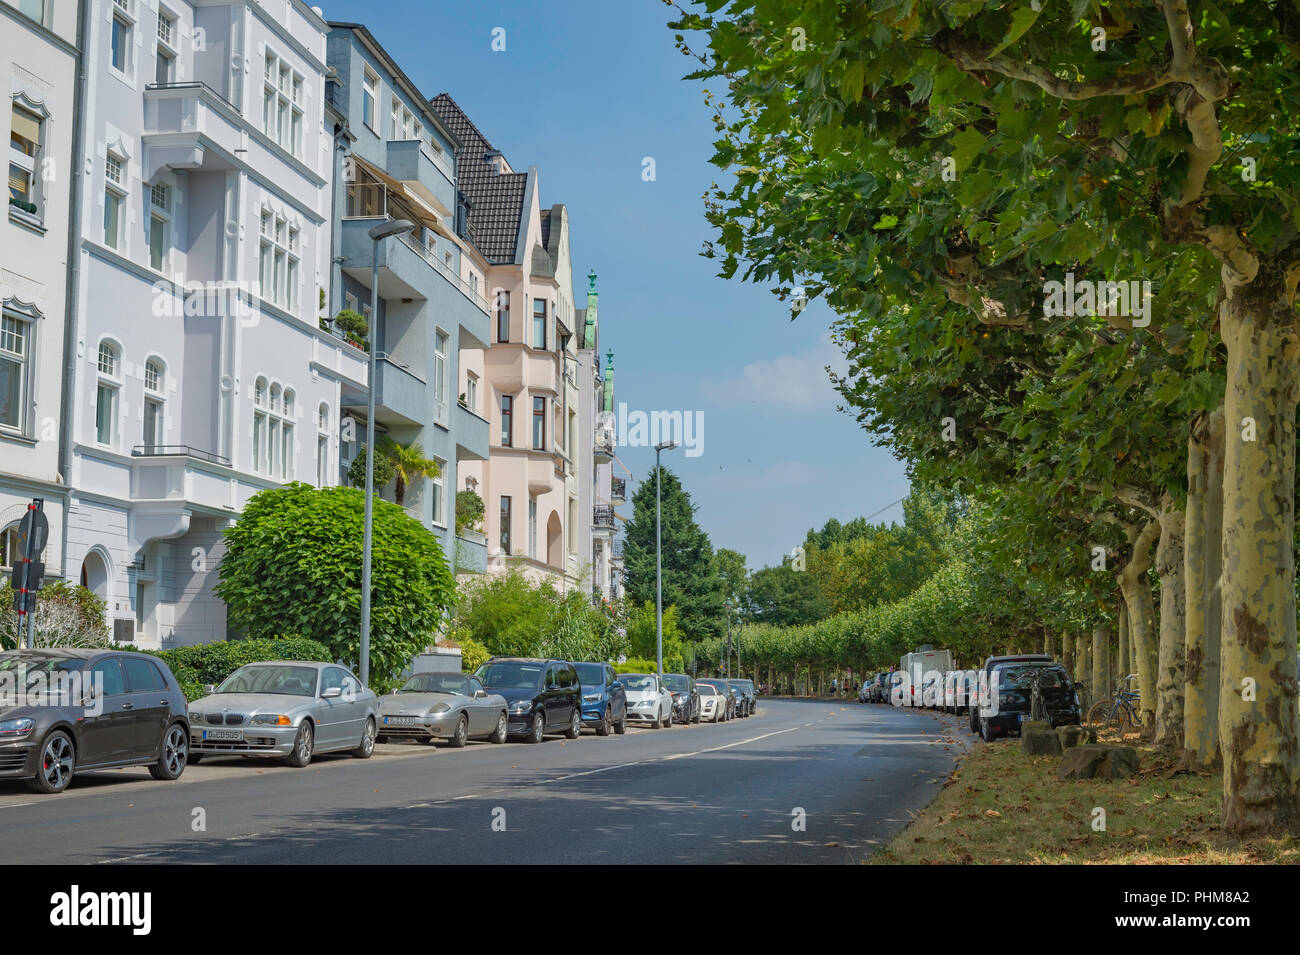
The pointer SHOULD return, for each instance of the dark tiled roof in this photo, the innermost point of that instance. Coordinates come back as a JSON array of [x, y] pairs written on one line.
[[496, 199]]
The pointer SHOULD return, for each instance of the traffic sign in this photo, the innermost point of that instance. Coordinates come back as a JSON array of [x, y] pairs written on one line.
[[33, 530]]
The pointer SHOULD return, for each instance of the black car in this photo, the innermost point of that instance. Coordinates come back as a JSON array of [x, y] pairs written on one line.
[[66, 711], [1015, 682], [745, 700], [686, 698], [542, 696], [723, 687], [989, 664]]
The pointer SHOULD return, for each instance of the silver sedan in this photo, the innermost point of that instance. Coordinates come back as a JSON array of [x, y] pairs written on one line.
[[290, 710], [447, 706]]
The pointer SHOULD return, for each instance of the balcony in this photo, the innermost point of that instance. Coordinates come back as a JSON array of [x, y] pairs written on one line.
[[618, 490], [602, 517], [471, 433], [409, 162], [400, 394], [616, 550], [190, 126], [602, 446], [471, 553]]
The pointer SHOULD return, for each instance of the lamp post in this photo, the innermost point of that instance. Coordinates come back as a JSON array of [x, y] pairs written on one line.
[[659, 564], [382, 231]]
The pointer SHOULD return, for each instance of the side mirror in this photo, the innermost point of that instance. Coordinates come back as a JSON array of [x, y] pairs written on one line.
[[616, 685], [478, 694], [331, 693], [393, 691], [209, 689]]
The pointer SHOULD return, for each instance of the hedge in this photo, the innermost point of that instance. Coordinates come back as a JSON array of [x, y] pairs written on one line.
[[212, 662]]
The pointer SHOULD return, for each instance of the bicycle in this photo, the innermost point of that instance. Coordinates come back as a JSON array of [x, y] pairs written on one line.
[[1120, 711]]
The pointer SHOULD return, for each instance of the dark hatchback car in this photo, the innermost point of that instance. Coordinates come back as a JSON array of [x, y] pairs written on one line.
[[604, 701], [67, 711], [542, 696], [686, 698], [1015, 696], [989, 664], [746, 702]]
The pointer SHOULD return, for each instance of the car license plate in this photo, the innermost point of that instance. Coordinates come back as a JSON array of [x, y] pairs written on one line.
[[399, 720], [222, 734]]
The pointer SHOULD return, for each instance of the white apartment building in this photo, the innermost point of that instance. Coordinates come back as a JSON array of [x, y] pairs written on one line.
[[38, 57], [200, 374]]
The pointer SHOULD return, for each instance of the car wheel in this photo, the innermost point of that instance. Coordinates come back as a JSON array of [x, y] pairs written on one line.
[[696, 719], [575, 725], [366, 748], [669, 718], [987, 732], [303, 745], [606, 725], [621, 726], [537, 729], [58, 760], [974, 719], [461, 736], [176, 746], [503, 727]]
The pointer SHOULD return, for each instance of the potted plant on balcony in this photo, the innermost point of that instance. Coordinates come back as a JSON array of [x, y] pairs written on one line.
[[354, 327], [383, 470]]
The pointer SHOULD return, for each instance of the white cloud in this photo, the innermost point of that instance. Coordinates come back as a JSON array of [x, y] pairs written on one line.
[[790, 381]]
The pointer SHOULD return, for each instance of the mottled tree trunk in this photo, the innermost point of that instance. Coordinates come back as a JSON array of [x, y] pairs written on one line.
[[1257, 730], [1100, 657], [1202, 557], [1173, 607], [1141, 620], [1047, 642], [1122, 653], [1067, 653]]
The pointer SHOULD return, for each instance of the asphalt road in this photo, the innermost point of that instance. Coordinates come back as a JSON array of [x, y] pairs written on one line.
[[724, 793]]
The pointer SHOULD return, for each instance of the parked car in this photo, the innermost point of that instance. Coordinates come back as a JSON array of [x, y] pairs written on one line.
[[604, 701], [989, 664], [542, 696], [443, 706], [865, 689], [648, 700], [727, 692], [686, 698], [292, 710], [881, 687], [73, 710], [1015, 695], [713, 702], [745, 699]]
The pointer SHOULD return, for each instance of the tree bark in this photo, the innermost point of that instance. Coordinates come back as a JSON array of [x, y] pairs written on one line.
[[1173, 632], [1100, 657], [1047, 641], [1067, 653], [1122, 653], [1202, 557], [1141, 616], [1257, 730]]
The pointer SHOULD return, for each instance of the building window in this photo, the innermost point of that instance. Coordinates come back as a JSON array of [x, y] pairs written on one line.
[[24, 152], [15, 348], [507, 406], [438, 507], [154, 398], [113, 195], [166, 24], [259, 426], [108, 364], [539, 424], [471, 392], [532, 527], [503, 315], [120, 42], [539, 323], [277, 262], [322, 445], [505, 524], [440, 376], [369, 97], [9, 551], [33, 8], [159, 221], [282, 104]]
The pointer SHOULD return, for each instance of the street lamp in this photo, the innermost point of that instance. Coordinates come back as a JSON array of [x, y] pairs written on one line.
[[382, 231], [659, 564]]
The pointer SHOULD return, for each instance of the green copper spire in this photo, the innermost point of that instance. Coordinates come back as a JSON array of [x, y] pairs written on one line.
[[589, 327], [608, 400]]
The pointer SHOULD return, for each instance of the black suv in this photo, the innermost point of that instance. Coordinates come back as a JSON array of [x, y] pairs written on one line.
[[989, 664], [745, 700], [542, 696], [1015, 695]]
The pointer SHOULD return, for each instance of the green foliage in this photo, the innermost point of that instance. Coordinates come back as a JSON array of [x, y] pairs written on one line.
[[212, 662], [784, 596], [407, 463], [352, 323], [642, 633], [67, 615], [293, 564], [691, 580], [472, 654], [469, 511]]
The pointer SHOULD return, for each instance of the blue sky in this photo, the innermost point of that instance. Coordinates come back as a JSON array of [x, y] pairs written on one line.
[[584, 90]]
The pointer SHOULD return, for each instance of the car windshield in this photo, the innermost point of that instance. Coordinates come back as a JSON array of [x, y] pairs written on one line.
[[717, 685], [706, 689], [677, 682], [637, 681], [286, 680], [1022, 677], [522, 676], [456, 683], [590, 674], [39, 662]]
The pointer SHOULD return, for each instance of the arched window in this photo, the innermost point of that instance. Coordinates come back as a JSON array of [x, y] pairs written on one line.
[[9, 554], [154, 404], [108, 363], [323, 445], [260, 464], [273, 410]]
